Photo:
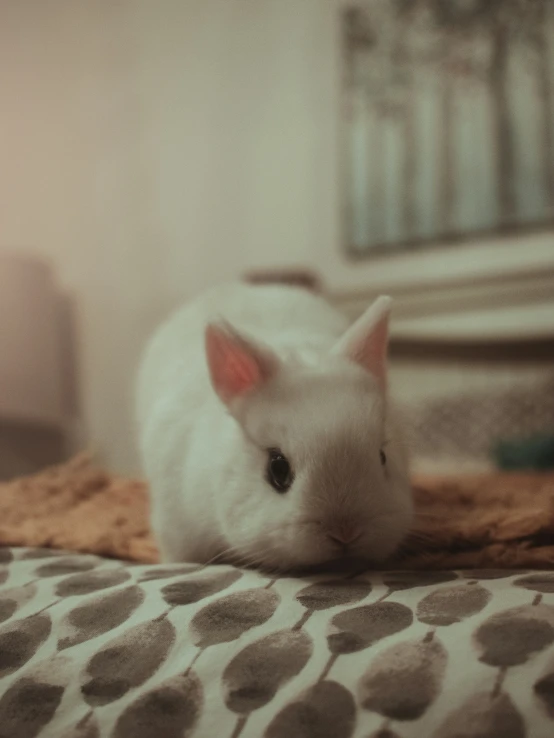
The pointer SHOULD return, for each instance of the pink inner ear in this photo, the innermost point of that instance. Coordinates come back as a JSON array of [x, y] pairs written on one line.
[[235, 367], [240, 373]]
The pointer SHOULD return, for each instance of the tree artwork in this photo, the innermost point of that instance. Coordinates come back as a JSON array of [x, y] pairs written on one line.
[[449, 119]]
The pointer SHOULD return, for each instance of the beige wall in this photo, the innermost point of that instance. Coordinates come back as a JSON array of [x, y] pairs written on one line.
[[153, 148]]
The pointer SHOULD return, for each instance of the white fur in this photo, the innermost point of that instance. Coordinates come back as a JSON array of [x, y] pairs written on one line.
[[207, 467]]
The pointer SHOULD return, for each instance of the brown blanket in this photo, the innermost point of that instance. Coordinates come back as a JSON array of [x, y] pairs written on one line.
[[488, 521]]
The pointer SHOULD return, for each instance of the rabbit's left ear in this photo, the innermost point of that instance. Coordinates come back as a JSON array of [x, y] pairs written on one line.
[[236, 364], [366, 342]]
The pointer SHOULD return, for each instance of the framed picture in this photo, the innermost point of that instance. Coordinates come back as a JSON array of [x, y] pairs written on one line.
[[447, 122]]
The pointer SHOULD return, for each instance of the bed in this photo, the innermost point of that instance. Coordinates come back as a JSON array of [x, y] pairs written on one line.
[[98, 647]]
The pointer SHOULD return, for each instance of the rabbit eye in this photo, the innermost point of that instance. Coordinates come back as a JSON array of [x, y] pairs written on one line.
[[383, 457], [279, 473]]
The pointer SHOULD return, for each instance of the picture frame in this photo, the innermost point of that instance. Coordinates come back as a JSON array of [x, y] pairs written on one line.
[[447, 123]]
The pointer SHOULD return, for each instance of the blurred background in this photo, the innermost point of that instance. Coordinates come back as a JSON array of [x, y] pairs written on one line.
[[149, 150]]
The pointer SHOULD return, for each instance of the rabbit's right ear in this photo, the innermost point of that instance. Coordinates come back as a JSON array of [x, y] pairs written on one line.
[[237, 365], [366, 342]]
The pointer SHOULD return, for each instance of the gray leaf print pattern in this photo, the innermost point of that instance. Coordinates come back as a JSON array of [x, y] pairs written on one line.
[[452, 604], [403, 681], [399, 580], [544, 690], [87, 727], [16, 719], [13, 599], [169, 711], [20, 640], [542, 582], [167, 572], [326, 710], [511, 637], [61, 567], [229, 617], [484, 716], [81, 584], [356, 629], [323, 595], [253, 677], [6, 556], [127, 661], [100, 615], [29, 704], [384, 733], [4, 574], [195, 588]]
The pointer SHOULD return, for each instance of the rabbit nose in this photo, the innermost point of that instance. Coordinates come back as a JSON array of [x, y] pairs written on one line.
[[344, 534]]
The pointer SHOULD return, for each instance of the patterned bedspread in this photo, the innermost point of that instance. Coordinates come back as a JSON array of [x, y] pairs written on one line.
[[92, 647]]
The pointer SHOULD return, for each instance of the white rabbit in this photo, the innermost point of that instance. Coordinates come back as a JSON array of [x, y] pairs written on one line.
[[266, 433]]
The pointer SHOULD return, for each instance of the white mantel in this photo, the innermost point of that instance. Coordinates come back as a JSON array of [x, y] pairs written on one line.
[[497, 290]]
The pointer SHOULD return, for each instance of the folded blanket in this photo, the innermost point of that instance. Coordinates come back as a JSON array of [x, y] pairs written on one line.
[[488, 521]]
